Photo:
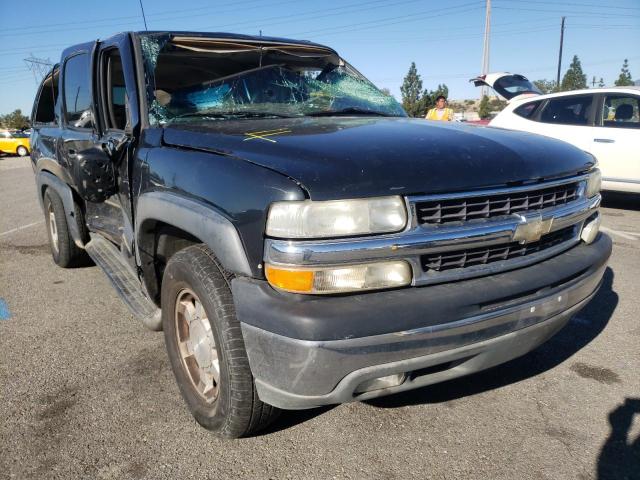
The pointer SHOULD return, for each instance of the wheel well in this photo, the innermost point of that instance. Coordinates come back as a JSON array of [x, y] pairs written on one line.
[[167, 241], [80, 209]]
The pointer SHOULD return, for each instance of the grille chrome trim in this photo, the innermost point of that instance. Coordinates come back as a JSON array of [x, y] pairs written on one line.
[[417, 240], [500, 191]]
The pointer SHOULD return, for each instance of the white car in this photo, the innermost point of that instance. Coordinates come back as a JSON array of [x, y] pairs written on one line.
[[602, 121]]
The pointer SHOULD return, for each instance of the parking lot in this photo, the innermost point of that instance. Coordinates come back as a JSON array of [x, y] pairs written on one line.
[[88, 392]]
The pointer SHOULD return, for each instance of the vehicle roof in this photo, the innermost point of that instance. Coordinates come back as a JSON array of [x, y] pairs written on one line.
[[258, 39], [628, 89], [230, 36]]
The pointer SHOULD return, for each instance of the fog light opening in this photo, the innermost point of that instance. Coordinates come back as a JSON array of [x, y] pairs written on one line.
[[590, 229], [380, 383]]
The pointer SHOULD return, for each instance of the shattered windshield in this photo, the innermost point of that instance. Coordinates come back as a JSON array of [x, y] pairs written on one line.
[[196, 79]]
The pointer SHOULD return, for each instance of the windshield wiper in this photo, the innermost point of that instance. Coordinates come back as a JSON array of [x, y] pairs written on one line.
[[348, 111], [254, 114], [228, 115]]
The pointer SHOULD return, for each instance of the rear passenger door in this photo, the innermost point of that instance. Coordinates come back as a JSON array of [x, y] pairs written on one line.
[[79, 147], [569, 118]]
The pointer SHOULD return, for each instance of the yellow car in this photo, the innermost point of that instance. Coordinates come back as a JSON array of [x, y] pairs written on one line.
[[15, 143]]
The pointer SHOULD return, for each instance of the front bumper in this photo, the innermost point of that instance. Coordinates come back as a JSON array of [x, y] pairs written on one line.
[[307, 365]]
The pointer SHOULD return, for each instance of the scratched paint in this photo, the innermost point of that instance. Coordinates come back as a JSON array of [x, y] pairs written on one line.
[[5, 314]]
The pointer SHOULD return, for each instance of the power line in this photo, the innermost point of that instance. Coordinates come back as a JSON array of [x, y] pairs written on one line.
[[568, 12], [571, 4], [88, 25], [305, 16], [383, 22]]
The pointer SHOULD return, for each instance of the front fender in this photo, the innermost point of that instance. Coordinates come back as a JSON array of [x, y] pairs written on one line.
[[194, 217]]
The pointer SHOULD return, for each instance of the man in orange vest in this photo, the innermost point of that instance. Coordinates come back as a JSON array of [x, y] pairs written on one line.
[[441, 111]]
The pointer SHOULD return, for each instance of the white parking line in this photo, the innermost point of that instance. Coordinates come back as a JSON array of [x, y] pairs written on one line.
[[627, 235], [20, 228]]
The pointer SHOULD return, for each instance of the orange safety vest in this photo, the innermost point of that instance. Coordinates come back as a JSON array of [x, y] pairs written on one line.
[[447, 115]]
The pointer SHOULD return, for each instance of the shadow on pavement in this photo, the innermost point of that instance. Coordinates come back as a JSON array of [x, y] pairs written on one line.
[[291, 418], [620, 456], [578, 333], [623, 201]]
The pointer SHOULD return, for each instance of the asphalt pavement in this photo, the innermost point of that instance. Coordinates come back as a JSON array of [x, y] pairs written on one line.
[[87, 392]]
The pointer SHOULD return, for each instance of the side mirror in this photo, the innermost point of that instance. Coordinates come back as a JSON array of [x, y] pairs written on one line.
[[114, 145]]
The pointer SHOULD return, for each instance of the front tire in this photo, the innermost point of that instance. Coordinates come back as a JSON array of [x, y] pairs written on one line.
[[205, 346], [22, 151]]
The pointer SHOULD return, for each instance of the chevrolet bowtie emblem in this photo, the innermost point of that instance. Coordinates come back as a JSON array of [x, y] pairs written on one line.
[[532, 228]]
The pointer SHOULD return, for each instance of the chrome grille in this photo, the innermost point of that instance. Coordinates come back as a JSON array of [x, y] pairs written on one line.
[[441, 211], [485, 255]]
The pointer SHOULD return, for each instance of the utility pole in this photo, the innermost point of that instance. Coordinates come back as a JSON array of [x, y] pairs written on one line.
[[560, 54], [485, 47]]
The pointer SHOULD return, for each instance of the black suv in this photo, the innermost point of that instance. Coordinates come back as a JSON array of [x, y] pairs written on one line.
[[300, 241]]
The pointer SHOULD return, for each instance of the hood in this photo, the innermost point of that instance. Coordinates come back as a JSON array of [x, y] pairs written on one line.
[[349, 157]]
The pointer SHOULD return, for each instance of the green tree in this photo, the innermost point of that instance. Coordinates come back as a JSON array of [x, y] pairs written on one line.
[[14, 120], [624, 79], [545, 86], [575, 78], [496, 104], [601, 83], [415, 100], [441, 90], [411, 91], [483, 109]]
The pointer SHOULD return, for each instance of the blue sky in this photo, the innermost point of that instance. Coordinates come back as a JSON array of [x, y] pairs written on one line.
[[380, 37]]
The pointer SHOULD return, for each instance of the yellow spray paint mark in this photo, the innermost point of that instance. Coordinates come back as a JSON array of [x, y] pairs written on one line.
[[262, 135]]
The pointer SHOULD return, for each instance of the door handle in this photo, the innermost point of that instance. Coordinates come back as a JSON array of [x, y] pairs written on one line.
[[604, 140]]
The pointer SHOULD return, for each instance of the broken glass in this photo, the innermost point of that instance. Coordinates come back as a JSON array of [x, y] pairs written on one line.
[[212, 81]]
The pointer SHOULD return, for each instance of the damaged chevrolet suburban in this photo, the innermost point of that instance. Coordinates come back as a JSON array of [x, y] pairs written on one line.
[[299, 240]]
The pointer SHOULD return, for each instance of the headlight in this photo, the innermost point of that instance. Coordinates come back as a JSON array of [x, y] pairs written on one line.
[[370, 276], [594, 183], [336, 218]]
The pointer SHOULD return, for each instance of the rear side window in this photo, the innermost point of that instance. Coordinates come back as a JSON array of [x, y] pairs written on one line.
[[528, 109], [574, 110], [77, 92], [621, 111], [45, 108]]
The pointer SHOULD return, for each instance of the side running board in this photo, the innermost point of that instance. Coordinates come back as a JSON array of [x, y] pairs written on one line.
[[109, 259]]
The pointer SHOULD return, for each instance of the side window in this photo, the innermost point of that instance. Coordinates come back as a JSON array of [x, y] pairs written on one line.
[[571, 110], [45, 109], [621, 111], [114, 92], [77, 92], [528, 109]]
